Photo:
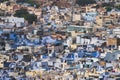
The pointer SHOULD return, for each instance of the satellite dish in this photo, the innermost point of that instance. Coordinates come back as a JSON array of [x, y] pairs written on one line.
[[12, 65]]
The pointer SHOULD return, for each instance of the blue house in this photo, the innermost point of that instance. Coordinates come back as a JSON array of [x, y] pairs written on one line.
[[71, 57], [44, 56], [1, 31], [13, 36], [81, 53]]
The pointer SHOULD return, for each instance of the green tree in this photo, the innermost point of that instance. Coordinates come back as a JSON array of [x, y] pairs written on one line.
[[117, 7], [26, 1], [1, 1], [25, 14], [31, 18], [108, 8], [108, 4], [85, 2], [31, 2], [22, 12]]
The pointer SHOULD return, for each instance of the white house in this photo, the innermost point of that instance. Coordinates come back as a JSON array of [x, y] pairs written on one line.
[[69, 41], [112, 56], [116, 31], [81, 40], [18, 21], [119, 48]]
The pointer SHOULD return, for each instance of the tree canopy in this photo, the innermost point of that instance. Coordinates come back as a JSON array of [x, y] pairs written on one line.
[[31, 2], [21, 12], [26, 1], [25, 14], [108, 8], [117, 7], [3, 1], [85, 2]]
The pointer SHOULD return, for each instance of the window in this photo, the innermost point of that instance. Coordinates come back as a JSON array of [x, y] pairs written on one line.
[[100, 17]]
